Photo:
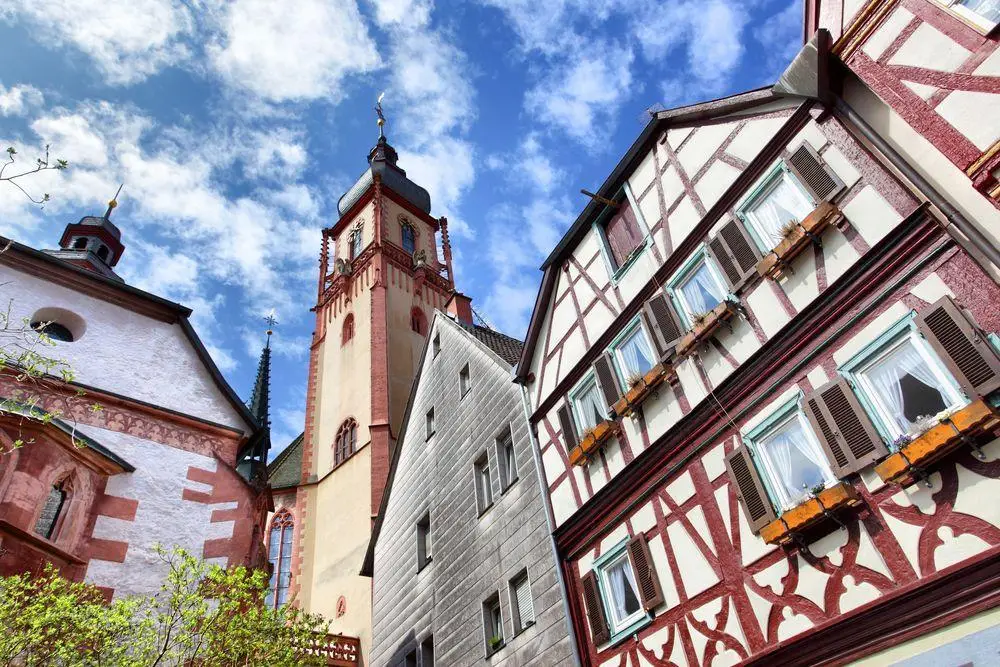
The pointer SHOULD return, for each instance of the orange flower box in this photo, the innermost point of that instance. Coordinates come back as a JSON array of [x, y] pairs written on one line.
[[809, 513], [646, 386], [904, 467], [591, 442], [775, 263], [703, 330]]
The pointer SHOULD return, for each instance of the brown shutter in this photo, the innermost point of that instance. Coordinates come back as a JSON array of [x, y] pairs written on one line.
[[844, 429], [735, 254], [749, 489], [607, 382], [807, 166], [595, 610], [646, 579], [964, 350], [569, 432], [720, 255], [662, 323]]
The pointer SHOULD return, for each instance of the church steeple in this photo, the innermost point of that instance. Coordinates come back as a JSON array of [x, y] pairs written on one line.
[[93, 243], [253, 460]]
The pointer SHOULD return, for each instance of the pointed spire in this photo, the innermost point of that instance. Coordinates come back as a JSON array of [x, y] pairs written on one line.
[[113, 203], [260, 400]]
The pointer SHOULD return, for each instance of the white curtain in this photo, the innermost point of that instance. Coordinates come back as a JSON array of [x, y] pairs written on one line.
[[785, 203], [701, 292], [636, 354], [886, 376], [988, 9], [620, 576], [591, 410], [798, 462]]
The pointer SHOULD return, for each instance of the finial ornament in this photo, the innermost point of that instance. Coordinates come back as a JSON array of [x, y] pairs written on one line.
[[113, 204], [271, 321], [381, 116]]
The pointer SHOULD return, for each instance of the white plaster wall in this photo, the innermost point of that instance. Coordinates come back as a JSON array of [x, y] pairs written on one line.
[[162, 516], [124, 352]]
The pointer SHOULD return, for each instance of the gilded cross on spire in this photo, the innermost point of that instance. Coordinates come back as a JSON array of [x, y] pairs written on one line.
[[381, 116]]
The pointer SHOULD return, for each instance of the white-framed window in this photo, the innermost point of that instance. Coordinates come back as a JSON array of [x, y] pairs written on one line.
[[521, 604], [493, 624], [588, 406], [356, 240], [697, 287], [619, 591], [789, 456], [484, 483], [779, 201], [633, 353], [902, 383], [507, 459], [984, 14]]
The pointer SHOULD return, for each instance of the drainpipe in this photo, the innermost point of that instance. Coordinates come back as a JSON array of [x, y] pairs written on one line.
[[550, 522], [972, 234]]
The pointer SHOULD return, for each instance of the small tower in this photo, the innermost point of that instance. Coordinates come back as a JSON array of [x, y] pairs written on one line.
[[93, 243], [253, 459]]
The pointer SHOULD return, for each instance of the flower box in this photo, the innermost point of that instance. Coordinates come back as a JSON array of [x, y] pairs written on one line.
[[775, 264], [810, 513], [591, 442], [703, 330], [906, 465], [647, 385]]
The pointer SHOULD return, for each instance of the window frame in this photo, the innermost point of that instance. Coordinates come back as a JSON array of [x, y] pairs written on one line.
[[768, 181], [977, 21], [517, 623], [429, 424], [484, 483], [355, 242], [491, 604], [684, 273], [635, 326], [616, 273], [891, 339], [425, 544], [405, 226], [505, 443], [618, 630], [574, 395], [464, 381], [436, 345], [789, 410], [287, 523]]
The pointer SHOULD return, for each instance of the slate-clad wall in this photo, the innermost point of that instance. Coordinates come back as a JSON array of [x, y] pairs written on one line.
[[473, 556]]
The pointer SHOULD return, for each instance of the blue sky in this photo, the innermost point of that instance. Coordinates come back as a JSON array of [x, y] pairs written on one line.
[[236, 126]]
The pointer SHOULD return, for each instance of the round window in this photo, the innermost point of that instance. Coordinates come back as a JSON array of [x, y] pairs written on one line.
[[58, 324]]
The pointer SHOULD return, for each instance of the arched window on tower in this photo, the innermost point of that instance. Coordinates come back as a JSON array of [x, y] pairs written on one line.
[[50, 519], [80, 243], [409, 237], [346, 443], [418, 321], [347, 333], [356, 239], [102, 253], [279, 555]]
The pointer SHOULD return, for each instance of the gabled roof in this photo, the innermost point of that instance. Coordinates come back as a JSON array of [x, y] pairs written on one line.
[[507, 348], [285, 470], [476, 335]]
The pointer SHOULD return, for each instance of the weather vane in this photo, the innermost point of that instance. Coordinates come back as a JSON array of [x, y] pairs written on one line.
[[381, 117], [271, 321]]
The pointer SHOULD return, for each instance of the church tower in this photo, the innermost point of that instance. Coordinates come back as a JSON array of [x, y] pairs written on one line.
[[380, 280]]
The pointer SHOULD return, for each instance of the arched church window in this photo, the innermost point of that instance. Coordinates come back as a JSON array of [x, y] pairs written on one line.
[[279, 555], [102, 253], [80, 244], [52, 510], [347, 333], [418, 321], [356, 241], [409, 238], [346, 443]]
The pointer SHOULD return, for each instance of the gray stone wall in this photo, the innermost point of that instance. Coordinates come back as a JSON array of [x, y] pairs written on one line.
[[473, 556]]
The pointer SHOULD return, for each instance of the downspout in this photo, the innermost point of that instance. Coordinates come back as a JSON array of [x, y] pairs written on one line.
[[955, 218], [550, 523]]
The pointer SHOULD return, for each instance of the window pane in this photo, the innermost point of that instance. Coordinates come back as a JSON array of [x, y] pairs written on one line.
[[635, 354], [796, 461], [907, 389], [700, 291], [588, 406], [46, 523], [624, 598], [623, 234], [988, 9], [784, 203], [511, 462]]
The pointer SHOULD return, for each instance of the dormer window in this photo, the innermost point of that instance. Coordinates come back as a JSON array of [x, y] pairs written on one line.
[[409, 238]]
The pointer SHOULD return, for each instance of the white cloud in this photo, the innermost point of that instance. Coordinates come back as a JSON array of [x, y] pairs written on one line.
[[446, 169], [408, 12], [14, 101], [781, 37], [128, 40], [554, 26], [289, 50]]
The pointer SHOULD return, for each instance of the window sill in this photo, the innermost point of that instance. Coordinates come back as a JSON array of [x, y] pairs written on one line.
[[647, 386], [491, 651], [429, 436], [520, 631], [909, 464], [421, 568], [591, 442], [803, 235], [621, 635], [507, 488], [486, 509], [720, 315], [619, 273], [787, 528]]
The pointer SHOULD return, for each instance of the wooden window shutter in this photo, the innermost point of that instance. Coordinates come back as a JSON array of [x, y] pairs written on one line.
[[595, 610], [808, 167], [650, 591], [607, 382], [735, 254], [749, 489], [566, 423], [964, 350], [844, 429], [662, 323]]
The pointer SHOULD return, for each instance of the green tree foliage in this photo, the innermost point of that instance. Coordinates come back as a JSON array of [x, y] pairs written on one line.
[[203, 615]]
